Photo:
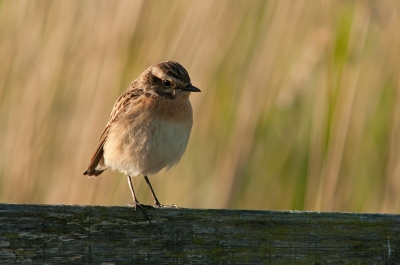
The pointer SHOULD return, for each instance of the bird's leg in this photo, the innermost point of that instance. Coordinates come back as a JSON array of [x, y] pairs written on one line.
[[135, 201], [156, 202]]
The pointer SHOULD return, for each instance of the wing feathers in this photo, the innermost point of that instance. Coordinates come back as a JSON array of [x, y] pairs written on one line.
[[96, 165]]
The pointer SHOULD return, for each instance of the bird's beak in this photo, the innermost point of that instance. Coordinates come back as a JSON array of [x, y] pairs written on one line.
[[191, 88]]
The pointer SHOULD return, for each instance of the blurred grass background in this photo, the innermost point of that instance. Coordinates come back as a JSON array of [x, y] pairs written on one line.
[[300, 102]]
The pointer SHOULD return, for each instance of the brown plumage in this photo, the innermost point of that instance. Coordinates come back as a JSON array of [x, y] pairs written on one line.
[[96, 165], [149, 125]]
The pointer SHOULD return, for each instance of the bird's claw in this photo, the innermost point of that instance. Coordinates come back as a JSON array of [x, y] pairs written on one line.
[[136, 205]]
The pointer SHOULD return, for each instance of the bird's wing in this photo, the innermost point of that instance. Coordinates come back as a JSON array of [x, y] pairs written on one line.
[[119, 107]]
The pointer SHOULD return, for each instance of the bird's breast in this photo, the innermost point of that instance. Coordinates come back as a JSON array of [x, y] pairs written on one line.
[[154, 138]]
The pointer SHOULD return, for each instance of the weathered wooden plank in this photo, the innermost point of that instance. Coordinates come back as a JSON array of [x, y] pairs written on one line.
[[49, 234]]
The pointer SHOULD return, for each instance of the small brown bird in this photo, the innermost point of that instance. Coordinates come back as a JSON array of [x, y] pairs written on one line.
[[149, 126]]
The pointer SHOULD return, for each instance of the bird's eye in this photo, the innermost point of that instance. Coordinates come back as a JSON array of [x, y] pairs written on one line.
[[167, 83]]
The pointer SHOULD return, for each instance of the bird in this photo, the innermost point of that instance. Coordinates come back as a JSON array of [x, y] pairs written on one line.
[[149, 126]]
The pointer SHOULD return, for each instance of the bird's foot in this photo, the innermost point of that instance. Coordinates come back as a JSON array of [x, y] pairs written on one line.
[[159, 205], [136, 205]]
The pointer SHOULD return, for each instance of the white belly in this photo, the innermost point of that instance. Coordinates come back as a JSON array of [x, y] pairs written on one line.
[[147, 147]]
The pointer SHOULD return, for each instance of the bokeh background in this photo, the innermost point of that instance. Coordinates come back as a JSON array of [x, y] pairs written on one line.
[[299, 110]]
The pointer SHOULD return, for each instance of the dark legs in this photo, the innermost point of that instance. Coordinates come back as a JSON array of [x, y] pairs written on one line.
[[156, 202], [135, 201]]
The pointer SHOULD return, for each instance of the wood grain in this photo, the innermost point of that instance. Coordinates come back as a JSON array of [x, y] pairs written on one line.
[[38, 234]]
